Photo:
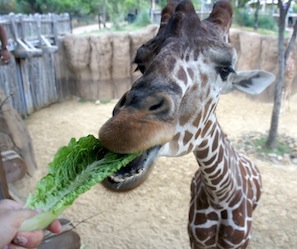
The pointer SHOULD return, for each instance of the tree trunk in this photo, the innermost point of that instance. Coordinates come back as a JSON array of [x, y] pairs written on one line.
[[283, 54], [256, 22]]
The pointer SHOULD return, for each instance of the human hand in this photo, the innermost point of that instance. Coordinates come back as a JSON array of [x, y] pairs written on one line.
[[12, 216], [5, 56]]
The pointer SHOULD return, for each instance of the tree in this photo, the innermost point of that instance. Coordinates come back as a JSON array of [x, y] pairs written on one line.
[[256, 23], [7, 6], [283, 54]]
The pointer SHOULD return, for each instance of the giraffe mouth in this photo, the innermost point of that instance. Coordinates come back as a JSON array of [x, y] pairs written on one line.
[[133, 174]]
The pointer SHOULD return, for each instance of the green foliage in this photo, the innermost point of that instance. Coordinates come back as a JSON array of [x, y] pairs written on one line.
[[73, 171], [281, 147], [143, 19], [267, 22], [119, 9], [7, 6], [243, 18]]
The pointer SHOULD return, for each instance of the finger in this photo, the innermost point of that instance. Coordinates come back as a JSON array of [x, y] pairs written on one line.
[[13, 246], [28, 239], [55, 227], [23, 214]]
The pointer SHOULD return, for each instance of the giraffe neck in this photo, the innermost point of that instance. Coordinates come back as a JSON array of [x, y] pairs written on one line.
[[224, 192], [219, 166]]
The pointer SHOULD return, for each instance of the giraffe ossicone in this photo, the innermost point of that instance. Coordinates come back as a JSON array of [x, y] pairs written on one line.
[[170, 111]]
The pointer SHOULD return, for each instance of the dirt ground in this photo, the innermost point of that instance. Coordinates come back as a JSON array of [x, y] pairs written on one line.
[[155, 214]]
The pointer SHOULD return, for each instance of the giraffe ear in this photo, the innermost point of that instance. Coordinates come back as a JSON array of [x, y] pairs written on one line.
[[251, 82], [221, 14]]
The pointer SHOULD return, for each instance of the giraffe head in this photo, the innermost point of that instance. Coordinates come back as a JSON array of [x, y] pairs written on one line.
[[168, 110]]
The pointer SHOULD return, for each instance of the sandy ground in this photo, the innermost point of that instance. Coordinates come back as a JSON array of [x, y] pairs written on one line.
[[155, 214]]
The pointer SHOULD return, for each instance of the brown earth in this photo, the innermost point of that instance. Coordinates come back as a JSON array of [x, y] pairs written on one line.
[[155, 214]]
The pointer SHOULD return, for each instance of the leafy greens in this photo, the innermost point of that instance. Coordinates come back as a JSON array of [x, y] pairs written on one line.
[[73, 171]]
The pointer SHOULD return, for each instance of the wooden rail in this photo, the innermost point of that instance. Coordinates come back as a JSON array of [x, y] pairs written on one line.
[[29, 80], [30, 34]]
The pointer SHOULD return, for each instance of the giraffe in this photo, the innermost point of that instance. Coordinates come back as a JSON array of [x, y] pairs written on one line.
[[170, 111]]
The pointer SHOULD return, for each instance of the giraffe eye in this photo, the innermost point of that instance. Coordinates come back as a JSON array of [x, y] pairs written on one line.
[[225, 71]]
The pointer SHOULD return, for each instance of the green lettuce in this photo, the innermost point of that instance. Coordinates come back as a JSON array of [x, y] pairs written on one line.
[[73, 171]]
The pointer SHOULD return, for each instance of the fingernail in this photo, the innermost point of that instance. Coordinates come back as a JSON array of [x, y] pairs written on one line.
[[20, 240]]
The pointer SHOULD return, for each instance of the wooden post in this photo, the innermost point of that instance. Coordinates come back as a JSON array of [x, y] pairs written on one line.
[[4, 194]]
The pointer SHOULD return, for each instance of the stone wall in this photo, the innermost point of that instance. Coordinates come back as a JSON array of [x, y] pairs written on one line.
[[101, 67]]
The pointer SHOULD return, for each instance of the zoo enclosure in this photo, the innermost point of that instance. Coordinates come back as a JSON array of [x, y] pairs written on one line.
[[29, 79]]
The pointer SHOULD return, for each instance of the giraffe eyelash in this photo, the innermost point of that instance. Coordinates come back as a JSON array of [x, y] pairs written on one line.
[[225, 71]]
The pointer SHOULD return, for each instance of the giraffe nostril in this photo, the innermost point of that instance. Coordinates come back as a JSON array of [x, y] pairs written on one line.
[[157, 106]]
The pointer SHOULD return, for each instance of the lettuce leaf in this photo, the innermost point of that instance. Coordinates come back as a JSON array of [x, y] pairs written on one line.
[[73, 171]]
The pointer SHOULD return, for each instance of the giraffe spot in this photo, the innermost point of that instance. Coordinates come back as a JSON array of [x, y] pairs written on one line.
[[204, 143], [187, 58], [196, 54], [200, 218], [239, 214], [202, 153], [181, 75], [187, 137], [209, 108], [215, 141], [171, 61], [197, 121], [206, 233], [206, 128], [198, 133], [191, 146], [174, 143], [221, 155], [212, 216], [224, 214], [204, 79], [184, 119], [234, 200], [229, 235]]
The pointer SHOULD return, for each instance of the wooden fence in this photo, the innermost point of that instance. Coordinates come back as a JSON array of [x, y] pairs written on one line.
[[29, 80]]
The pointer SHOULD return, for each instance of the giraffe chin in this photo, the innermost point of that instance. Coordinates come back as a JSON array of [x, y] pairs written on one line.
[[133, 174]]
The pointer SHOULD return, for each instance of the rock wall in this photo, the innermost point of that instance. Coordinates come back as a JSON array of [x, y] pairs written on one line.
[[15, 143], [101, 67]]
